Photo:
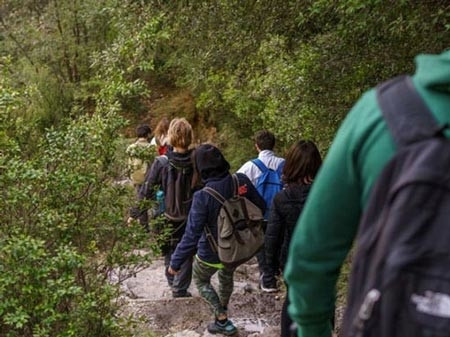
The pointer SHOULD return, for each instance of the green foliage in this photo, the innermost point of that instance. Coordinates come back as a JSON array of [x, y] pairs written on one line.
[[63, 228], [35, 299], [121, 66], [9, 103], [237, 143], [296, 67], [50, 100], [69, 69], [77, 55], [144, 153]]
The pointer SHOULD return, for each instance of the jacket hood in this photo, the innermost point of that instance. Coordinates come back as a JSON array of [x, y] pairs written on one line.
[[433, 71], [179, 158], [210, 162]]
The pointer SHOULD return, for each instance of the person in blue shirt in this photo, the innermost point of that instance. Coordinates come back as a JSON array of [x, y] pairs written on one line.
[[264, 145]]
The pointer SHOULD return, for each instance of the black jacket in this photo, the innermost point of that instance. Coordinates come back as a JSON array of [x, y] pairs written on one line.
[[284, 213], [155, 178]]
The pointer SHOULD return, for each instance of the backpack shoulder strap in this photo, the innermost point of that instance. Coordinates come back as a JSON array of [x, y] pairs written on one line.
[[216, 195], [235, 184], [163, 159], [408, 118], [196, 182], [280, 168], [259, 164]]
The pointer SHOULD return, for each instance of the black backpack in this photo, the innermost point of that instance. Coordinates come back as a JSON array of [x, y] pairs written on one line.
[[400, 281], [178, 188]]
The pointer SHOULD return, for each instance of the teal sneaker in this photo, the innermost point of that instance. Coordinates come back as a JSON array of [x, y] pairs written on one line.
[[226, 328]]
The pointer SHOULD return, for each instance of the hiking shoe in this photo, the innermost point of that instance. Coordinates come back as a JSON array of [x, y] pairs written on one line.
[[179, 294], [226, 328], [267, 288]]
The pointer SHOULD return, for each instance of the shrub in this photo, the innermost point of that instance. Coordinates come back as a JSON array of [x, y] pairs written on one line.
[[63, 229]]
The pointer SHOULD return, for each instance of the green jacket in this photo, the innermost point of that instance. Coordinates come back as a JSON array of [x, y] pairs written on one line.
[[329, 222]]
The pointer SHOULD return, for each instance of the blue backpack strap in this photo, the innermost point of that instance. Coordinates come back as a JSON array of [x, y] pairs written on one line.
[[259, 164], [408, 118], [280, 168]]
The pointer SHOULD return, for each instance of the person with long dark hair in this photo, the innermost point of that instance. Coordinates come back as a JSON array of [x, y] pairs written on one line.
[[302, 163]]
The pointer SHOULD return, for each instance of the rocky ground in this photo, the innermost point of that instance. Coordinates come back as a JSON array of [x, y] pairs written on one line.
[[149, 298]]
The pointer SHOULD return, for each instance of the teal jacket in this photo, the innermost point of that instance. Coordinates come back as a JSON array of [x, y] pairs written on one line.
[[329, 222]]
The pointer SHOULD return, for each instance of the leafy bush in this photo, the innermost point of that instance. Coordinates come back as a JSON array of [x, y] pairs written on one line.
[[63, 228], [296, 67]]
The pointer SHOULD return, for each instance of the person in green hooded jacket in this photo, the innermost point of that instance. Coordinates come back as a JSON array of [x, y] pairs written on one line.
[[329, 222]]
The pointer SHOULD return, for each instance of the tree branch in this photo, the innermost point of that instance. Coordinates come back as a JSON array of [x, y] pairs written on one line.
[[18, 44]]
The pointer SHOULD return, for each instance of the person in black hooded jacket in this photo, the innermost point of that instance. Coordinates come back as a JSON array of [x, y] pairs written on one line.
[[302, 163], [213, 169]]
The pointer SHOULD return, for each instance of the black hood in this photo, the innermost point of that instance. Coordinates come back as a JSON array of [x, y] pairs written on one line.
[[210, 162]]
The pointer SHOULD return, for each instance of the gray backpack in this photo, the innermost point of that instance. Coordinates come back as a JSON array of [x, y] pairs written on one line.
[[240, 232]]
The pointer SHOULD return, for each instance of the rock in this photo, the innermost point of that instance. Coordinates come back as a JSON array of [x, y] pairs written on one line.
[[271, 331], [185, 333], [149, 298], [248, 288]]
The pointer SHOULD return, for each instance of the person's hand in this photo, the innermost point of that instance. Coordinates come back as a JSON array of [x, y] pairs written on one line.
[[171, 271]]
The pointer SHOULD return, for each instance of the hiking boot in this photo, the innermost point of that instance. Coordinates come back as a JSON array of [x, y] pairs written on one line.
[[179, 294], [269, 287], [226, 328]]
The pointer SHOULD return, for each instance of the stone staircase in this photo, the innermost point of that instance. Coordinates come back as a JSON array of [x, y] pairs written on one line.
[[149, 298]]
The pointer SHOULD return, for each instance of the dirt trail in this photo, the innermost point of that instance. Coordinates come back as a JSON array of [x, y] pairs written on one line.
[[253, 312]]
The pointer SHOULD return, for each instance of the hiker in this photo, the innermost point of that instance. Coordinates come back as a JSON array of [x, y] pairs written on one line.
[[160, 139], [302, 163], [213, 169], [330, 220], [139, 155], [265, 174], [174, 175]]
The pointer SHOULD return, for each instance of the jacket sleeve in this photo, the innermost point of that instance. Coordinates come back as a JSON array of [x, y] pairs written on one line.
[[197, 219], [274, 235]]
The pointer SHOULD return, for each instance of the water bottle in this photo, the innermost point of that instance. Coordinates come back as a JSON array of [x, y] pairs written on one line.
[[160, 201]]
